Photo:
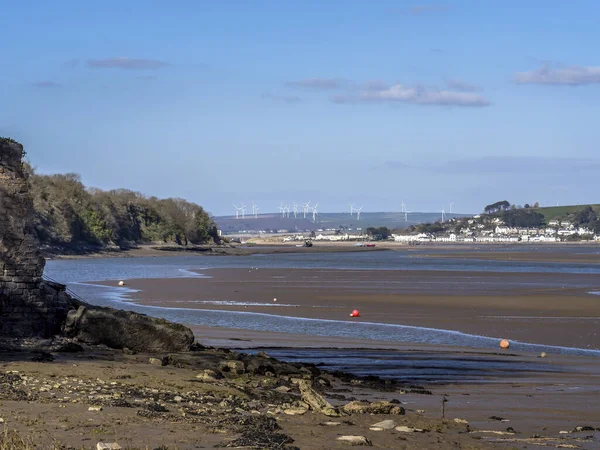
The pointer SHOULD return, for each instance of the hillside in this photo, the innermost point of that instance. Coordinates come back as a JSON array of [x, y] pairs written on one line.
[[560, 212]]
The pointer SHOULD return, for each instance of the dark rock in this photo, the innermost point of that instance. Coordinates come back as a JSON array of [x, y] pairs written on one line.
[[125, 329]]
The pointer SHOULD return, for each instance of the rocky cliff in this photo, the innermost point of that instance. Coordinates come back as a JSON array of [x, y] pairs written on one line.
[[28, 305]]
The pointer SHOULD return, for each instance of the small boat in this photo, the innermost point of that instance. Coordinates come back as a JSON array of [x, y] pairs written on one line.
[[370, 245]]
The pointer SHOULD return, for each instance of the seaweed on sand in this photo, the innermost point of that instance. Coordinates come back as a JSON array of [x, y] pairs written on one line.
[[260, 432]]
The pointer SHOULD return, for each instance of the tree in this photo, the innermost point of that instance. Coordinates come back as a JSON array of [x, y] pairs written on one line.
[[498, 206], [523, 218], [378, 234]]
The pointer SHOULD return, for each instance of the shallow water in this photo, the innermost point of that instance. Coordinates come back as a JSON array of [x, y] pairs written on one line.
[[76, 274]]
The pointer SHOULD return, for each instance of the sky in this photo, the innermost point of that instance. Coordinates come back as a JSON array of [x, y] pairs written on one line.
[[336, 102]]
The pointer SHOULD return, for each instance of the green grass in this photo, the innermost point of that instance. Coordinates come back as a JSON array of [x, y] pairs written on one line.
[[561, 212]]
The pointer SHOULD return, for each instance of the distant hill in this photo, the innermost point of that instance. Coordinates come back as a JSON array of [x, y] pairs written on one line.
[[392, 220], [559, 212]]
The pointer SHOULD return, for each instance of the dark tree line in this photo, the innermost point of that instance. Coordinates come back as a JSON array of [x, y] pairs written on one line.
[[70, 216], [588, 218], [495, 207], [523, 218]]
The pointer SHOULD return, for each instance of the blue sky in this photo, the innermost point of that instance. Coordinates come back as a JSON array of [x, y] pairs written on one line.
[[289, 101]]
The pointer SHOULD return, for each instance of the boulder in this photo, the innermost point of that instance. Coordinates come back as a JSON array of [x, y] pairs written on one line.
[[355, 440], [383, 425], [126, 329], [316, 400], [365, 407]]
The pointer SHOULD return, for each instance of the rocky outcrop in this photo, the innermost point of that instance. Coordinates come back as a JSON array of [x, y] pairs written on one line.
[[28, 305], [32, 307], [125, 329]]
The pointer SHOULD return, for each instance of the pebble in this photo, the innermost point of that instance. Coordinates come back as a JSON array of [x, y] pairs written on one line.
[[95, 408], [108, 446], [155, 361], [383, 425], [405, 429], [463, 421], [354, 440], [332, 424]]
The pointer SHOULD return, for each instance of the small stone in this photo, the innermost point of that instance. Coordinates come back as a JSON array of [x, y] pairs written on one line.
[[332, 424], [107, 446], [208, 375], [463, 421], [178, 399], [564, 432], [155, 361], [354, 440], [95, 408], [295, 411], [1, 420], [421, 411], [282, 389], [384, 425], [543, 355], [405, 429]]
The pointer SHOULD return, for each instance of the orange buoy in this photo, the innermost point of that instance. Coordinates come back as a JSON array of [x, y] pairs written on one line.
[[504, 343], [355, 313]]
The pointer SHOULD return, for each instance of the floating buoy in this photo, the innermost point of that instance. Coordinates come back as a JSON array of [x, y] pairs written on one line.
[[274, 299], [504, 343], [121, 283], [355, 313]]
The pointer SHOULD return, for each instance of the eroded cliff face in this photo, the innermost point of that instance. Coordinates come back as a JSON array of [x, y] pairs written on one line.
[[28, 305]]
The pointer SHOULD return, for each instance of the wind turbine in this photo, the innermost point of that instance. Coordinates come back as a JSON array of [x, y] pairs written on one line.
[[451, 203], [443, 215], [314, 212], [306, 206], [295, 206], [351, 208], [243, 208], [237, 211], [403, 206], [282, 209], [255, 209], [358, 213], [287, 211]]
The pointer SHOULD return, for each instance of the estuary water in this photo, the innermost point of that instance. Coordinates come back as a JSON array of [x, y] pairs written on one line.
[[78, 274]]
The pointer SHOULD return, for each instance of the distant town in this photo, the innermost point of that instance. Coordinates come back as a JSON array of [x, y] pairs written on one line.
[[500, 223]]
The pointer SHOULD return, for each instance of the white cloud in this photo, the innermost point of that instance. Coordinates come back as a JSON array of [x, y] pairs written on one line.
[[419, 95], [569, 76]]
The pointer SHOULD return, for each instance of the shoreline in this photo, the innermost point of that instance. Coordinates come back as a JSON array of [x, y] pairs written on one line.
[[483, 251]]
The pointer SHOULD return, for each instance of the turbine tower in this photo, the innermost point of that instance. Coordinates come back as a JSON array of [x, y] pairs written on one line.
[[305, 207], [358, 213], [237, 211], [282, 209], [315, 212], [403, 206], [443, 215], [243, 208], [451, 203], [295, 210], [351, 205]]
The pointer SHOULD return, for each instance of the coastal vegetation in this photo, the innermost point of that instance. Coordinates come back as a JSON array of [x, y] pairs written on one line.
[[71, 217]]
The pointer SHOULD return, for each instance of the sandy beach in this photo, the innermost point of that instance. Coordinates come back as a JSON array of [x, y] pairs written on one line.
[[529, 307]]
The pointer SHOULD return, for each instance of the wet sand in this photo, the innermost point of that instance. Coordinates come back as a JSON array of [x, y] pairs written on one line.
[[542, 308]]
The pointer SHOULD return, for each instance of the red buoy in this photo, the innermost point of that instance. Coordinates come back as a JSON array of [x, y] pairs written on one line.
[[355, 313]]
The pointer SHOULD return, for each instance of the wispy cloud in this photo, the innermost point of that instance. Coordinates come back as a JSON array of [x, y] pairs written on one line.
[[463, 86], [566, 76], [46, 84], [282, 98], [72, 63], [126, 63], [317, 83], [419, 95]]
